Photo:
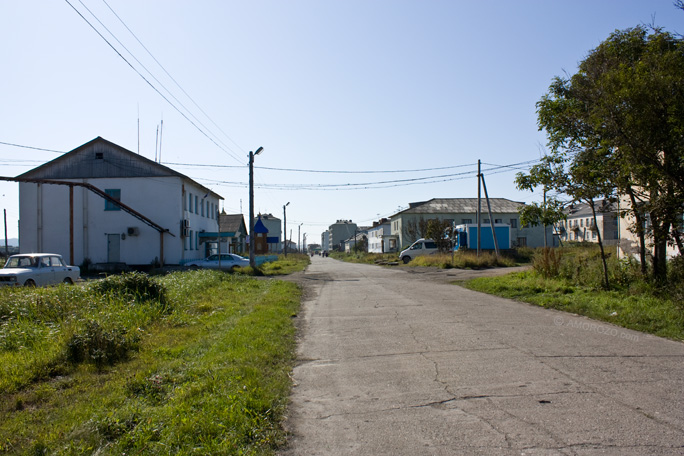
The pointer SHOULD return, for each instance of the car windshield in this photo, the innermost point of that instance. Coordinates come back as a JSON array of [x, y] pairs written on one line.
[[20, 262]]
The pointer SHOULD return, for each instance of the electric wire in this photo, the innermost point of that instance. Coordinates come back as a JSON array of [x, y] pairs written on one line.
[[171, 77], [149, 83]]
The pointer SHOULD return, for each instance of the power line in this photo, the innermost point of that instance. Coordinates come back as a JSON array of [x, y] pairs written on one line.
[[149, 83], [326, 171], [171, 77], [31, 147]]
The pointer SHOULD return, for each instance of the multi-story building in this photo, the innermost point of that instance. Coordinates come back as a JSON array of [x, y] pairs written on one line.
[[459, 211], [340, 231], [579, 225]]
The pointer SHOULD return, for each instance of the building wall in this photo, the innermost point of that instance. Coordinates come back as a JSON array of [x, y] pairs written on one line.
[[44, 220], [341, 231], [376, 237]]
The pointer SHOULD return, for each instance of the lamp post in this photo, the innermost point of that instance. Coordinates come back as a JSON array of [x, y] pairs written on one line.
[[252, 263], [285, 228], [299, 238]]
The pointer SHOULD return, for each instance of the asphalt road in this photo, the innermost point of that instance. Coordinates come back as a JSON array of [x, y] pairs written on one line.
[[393, 362]]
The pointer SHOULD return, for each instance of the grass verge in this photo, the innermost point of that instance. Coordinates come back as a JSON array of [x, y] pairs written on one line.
[[203, 370], [630, 309]]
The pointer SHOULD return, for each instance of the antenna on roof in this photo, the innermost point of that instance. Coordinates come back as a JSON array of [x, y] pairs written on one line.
[[161, 131], [156, 144]]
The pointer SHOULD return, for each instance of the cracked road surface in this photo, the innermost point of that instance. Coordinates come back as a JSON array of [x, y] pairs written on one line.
[[394, 363]]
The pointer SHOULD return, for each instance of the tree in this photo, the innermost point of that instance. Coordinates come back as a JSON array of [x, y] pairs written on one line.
[[623, 113], [441, 232], [415, 229]]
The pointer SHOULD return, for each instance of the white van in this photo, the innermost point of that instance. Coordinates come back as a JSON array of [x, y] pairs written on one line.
[[420, 247]]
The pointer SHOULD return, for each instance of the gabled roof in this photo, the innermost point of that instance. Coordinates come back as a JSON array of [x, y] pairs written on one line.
[[461, 206], [232, 223], [100, 158]]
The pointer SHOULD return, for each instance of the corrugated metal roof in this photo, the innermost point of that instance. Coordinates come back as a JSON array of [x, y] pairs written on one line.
[[462, 206]]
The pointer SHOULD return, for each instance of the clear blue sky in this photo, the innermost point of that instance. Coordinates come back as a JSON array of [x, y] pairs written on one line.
[[354, 85]]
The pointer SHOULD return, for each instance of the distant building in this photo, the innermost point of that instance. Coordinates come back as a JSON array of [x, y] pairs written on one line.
[[325, 241], [381, 239], [461, 211], [579, 225], [340, 231]]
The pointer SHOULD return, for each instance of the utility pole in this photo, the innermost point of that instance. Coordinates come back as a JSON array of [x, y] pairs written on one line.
[[285, 228], [299, 238], [6, 246], [479, 209], [252, 262]]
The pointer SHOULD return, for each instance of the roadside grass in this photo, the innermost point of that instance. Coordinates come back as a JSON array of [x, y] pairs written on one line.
[[203, 370], [461, 260], [365, 257], [570, 280], [464, 260]]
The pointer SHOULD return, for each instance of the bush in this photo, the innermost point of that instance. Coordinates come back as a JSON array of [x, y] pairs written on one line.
[[132, 285], [100, 346], [547, 262]]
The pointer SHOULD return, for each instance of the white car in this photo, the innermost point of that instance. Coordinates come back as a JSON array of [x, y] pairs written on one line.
[[37, 269], [420, 247], [228, 261]]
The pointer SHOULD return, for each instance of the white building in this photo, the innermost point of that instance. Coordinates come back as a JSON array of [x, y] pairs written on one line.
[[160, 219], [579, 225], [381, 239], [461, 211]]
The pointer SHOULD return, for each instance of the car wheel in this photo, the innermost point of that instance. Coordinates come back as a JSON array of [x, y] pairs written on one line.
[[406, 259], [30, 283], [68, 281]]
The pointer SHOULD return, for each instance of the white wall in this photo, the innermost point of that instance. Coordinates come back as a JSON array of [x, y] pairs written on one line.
[[44, 219]]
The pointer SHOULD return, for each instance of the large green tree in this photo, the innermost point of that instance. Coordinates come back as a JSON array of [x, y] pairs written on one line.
[[622, 114]]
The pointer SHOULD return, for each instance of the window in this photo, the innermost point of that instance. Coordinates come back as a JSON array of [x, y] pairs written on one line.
[[514, 223], [581, 222], [191, 248], [114, 193], [498, 220], [189, 202], [202, 208], [196, 240], [522, 242], [466, 221], [196, 204]]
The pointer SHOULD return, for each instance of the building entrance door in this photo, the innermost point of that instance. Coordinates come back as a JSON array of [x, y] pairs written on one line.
[[113, 248]]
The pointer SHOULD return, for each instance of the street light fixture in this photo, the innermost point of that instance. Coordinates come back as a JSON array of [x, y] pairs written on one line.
[[285, 227], [252, 263]]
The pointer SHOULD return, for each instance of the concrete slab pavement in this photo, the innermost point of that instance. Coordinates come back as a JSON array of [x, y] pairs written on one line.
[[392, 362]]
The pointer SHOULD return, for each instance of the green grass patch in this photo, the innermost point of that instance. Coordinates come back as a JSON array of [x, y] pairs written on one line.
[[203, 370], [365, 258], [464, 260], [635, 307]]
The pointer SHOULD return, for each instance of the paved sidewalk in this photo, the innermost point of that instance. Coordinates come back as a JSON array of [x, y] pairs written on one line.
[[392, 363]]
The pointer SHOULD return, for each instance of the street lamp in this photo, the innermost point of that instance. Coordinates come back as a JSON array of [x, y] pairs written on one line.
[[299, 238], [285, 227], [252, 263]]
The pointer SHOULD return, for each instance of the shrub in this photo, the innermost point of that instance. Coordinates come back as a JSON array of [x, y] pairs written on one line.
[[133, 285], [100, 346], [547, 262]]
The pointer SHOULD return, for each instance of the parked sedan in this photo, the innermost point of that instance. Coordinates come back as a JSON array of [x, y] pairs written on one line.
[[37, 269], [228, 261]]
